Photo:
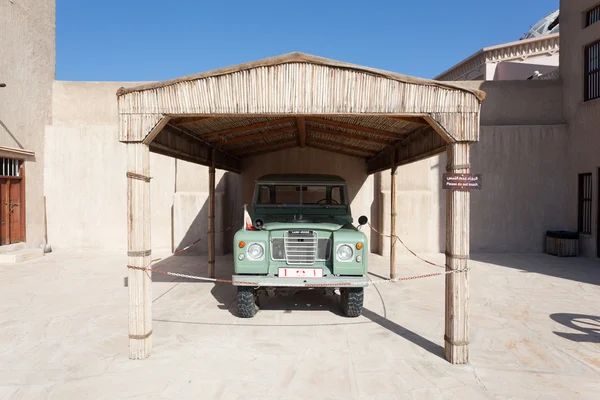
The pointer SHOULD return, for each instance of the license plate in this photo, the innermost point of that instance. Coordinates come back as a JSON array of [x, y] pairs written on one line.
[[300, 272]]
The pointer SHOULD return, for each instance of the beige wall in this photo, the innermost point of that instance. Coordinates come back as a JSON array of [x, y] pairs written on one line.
[[524, 185], [420, 220], [521, 69], [521, 156], [583, 117], [523, 195], [85, 182], [27, 66], [511, 71], [531, 102], [80, 165]]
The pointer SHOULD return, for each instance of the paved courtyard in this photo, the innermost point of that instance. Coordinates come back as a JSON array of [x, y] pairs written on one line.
[[535, 334]]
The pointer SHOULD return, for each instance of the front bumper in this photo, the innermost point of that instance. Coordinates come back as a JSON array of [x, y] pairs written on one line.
[[275, 281]]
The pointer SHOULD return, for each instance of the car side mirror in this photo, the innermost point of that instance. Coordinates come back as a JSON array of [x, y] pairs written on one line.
[[362, 220], [258, 223]]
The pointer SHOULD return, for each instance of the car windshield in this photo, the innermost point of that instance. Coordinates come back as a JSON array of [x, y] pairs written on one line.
[[306, 195]]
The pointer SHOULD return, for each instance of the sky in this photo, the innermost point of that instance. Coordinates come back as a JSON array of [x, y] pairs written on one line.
[[149, 40]]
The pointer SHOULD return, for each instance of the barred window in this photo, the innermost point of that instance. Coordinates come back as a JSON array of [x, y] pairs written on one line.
[[592, 71], [592, 16], [585, 203], [9, 167]]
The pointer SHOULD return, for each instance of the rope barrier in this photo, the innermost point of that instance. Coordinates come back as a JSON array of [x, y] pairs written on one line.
[[392, 237], [200, 278], [216, 280], [397, 238], [201, 237]]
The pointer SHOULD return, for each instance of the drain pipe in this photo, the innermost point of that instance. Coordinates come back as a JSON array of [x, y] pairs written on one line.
[[47, 248]]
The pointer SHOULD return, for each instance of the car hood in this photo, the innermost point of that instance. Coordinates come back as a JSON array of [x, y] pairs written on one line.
[[303, 226]]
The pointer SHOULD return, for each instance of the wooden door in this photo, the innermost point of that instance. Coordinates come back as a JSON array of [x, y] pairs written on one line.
[[12, 202]]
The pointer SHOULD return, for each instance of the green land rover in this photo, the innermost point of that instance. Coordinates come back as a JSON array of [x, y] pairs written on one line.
[[298, 234]]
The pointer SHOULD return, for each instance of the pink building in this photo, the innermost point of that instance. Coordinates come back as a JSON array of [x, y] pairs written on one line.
[[534, 56]]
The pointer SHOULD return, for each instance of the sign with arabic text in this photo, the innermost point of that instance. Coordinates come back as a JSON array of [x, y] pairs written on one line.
[[461, 181]]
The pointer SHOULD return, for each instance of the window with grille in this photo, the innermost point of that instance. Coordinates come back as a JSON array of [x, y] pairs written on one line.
[[592, 16], [592, 71], [9, 167], [585, 203]]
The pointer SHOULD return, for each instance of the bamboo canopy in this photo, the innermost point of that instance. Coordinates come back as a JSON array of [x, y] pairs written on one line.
[[298, 99], [218, 118]]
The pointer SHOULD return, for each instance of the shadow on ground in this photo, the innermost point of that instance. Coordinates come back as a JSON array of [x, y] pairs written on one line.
[[405, 333], [302, 301], [187, 265], [587, 325], [310, 300], [585, 270]]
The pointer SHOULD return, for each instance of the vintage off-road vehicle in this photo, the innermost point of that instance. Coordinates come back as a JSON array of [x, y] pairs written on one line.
[[299, 235]]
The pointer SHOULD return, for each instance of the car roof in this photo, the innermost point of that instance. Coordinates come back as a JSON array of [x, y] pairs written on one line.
[[301, 178]]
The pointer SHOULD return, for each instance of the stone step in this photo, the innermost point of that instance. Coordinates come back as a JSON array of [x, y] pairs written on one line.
[[20, 256], [10, 248]]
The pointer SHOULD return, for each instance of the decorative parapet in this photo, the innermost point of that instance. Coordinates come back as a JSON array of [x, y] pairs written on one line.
[[519, 50]]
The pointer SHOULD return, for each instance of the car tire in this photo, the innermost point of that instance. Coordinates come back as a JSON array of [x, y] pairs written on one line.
[[246, 302], [352, 301]]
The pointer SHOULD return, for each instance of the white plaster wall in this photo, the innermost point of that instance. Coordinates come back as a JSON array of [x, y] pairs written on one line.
[[86, 189], [524, 187], [507, 71], [85, 182], [510, 214], [490, 71], [493, 70], [523, 195], [419, 219], [533, 102], [549, 59], [190, 222], [519, 157], [27, 66], [522, 156], [583, 151]]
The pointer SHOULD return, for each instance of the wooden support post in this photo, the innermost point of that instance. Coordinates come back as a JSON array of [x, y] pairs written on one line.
[[301, 131], [139, 253], [211, 216], [456, 336], [393, 217]]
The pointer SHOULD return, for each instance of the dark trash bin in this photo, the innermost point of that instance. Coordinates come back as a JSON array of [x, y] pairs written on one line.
[[562, 243]]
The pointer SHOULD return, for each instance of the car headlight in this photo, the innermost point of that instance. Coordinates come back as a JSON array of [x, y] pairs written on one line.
[[344, 252], [255, 251]]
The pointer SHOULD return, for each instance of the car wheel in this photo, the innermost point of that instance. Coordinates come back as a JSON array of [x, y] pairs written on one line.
[[246, 302], [352, 301]]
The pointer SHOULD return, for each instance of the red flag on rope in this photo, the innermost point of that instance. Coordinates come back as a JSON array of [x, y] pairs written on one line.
[[248, 221]]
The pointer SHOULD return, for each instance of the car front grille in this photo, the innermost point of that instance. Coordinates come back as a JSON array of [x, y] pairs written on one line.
[[298, 248]]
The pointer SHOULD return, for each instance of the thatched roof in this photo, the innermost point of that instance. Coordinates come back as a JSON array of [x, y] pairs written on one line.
[[298, 100], [297, 57]]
